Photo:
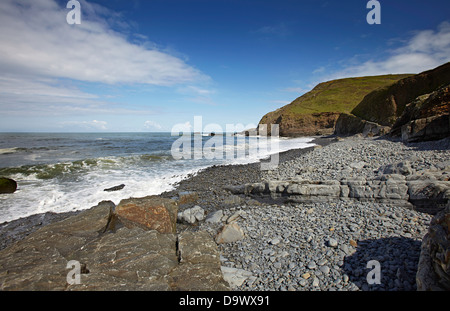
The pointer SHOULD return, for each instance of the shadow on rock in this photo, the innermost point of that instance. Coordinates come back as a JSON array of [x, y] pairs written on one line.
[[396, 258]]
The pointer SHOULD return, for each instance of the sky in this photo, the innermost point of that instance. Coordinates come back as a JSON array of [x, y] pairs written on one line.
[[149, 65]]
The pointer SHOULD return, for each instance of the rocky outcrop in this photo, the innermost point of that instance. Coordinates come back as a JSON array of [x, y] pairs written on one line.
[[425, 118], [348, 124], [433, 273], [302, 125], [115, 188], [7, 185], [385, 105], [429, 190], [94, 250]]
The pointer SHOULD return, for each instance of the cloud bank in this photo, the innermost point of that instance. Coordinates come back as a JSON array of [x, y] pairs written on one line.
[[43, 59], [424, 50]]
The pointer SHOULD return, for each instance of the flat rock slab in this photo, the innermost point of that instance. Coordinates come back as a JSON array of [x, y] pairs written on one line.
[[109, 258]]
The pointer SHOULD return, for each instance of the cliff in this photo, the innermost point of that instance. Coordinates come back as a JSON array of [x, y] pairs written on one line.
[[386, 104], [414, 109], [316, 112]]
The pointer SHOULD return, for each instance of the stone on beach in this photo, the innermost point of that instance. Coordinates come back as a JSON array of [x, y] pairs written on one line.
[[192, 215], [230, 233], [149, 213]]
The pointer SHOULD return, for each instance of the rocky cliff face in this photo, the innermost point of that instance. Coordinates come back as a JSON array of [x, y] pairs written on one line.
[[415, 109], [316, 112], [302, 125], [425, 118], [385, 105], [433, 272]]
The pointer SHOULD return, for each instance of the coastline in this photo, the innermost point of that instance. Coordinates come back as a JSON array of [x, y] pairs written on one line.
[[307, 246], [16, 230]]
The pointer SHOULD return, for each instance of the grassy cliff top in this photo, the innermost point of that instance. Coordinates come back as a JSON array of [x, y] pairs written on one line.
[[341, 95]]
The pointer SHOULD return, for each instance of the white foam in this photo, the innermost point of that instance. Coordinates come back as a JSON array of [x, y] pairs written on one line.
[[87, 189], [8, 150]]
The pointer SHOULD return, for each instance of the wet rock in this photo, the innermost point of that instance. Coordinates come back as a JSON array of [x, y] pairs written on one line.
[[7, 185], [115, 188]]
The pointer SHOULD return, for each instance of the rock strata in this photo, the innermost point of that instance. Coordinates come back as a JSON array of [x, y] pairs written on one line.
[[388, 188]]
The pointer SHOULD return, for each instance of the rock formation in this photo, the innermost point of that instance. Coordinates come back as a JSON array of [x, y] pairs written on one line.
[[425, 118], [110, 256], [427, 190], [414, 109], [150, 213], [433, 273], [316, 112]]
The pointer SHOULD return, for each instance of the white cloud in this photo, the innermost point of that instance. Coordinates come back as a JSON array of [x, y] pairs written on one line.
[[425, 50], [23, 96], [152, 125], [37, 40], [86, 125]]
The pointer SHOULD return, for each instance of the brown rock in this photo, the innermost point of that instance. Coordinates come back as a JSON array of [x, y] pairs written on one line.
[[385, 105], [187, 197], [199, 263], [149, 213], [433, 272], [110, 260], [425, 118]]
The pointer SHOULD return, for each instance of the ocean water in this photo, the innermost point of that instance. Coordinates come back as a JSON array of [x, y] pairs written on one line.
[[61, 172]]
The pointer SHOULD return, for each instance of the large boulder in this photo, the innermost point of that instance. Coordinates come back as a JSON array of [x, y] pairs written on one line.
[[7, 185], [149, 213], [433, 273]]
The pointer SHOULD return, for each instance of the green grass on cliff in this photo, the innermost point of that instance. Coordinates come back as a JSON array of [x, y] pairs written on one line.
[[341, 95]]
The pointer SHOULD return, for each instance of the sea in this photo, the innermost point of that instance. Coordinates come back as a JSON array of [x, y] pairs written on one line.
[[62, 172]]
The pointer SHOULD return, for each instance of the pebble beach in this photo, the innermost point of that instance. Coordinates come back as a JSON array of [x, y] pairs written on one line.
[[290, 246], [338, 245]]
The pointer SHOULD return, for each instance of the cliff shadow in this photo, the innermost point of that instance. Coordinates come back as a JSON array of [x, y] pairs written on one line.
[[396, 257]]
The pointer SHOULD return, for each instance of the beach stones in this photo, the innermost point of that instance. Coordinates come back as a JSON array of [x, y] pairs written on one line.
[[192, 215], [230, 233], [149, 213]]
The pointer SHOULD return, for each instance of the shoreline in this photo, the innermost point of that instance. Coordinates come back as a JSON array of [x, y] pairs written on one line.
[[15, 230], [310, 246]]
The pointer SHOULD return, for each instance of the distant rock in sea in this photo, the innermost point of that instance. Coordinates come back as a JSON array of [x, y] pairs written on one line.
[[115, 188]]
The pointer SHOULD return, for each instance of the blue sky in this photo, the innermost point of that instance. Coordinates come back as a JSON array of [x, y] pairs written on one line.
[[146, 65]]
